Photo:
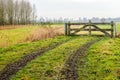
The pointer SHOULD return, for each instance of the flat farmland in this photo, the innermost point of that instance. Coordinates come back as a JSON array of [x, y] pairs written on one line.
[[44, 53]]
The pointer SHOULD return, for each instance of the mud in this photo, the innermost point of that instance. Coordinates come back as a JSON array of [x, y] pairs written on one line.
[[13, 68], [70, 70]]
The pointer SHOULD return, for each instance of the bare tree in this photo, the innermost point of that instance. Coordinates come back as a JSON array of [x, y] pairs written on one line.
[[34, 14], [2, 12], [10, 11], [16, 12], [28, 12]]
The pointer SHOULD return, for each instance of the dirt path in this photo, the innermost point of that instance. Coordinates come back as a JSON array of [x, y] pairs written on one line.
[[69, 72], [13, 68]]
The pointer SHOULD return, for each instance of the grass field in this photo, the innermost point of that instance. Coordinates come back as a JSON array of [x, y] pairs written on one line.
[[26, 34], [47, 67], [14, 36], [100, 62]]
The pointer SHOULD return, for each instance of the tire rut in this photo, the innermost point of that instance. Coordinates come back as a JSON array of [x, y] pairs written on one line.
[[69, 72], [13, 68]]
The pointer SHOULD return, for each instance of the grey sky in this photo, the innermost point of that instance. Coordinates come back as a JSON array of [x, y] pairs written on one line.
[[77, 8]]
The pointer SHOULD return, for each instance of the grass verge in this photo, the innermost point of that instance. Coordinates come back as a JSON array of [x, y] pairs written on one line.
[[101, 61]]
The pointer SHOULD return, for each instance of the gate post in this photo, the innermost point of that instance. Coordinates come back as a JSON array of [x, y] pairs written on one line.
[[115, 32], [112, 29], [66, 29], [90, 23]]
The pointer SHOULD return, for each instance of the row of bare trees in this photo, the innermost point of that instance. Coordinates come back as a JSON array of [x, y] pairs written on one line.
[[16, 12]]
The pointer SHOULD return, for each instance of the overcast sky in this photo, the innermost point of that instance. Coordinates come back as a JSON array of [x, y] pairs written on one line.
[[77, 8]]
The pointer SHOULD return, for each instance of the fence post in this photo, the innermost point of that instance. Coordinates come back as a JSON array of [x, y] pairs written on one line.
[[115, 32], [68, 28], [90, 23], [112, 29]]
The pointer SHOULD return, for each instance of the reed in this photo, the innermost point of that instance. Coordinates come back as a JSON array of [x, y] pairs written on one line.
[[44, 33]]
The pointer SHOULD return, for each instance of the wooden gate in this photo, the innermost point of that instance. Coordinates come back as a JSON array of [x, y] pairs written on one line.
[[111, 32]]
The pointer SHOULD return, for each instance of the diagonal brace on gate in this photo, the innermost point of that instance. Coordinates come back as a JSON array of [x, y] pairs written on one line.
[[101, 30], [76, 31]]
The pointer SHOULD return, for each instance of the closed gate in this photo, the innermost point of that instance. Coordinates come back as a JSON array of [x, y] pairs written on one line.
[[111, 32]]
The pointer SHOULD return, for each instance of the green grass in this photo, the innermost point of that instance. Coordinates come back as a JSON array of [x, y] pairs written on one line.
[[118, 27], [48, 66], [101, 62], [13, 53], [14, 36]]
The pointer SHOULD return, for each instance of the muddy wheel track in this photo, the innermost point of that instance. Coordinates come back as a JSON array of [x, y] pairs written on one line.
[[13, 68], [69, 72]]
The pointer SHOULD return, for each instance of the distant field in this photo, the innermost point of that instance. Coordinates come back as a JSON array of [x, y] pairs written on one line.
[[17, 34], [6, 27], [10, 35], [14, 36], [118, 27], [20, 35]]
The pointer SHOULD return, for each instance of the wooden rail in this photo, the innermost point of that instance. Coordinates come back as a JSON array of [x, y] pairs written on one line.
[[89, 26]]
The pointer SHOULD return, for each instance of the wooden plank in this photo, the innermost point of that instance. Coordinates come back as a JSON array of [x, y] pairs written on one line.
[[91, 29], [88, 24], [77, 23], [101, 23]]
